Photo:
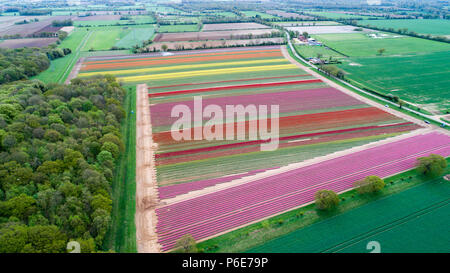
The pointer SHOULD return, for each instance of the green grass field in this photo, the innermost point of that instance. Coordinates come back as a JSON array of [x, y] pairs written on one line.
[[411, 221], [423, 26], [361, 45], [122, 235], [60, 68], [335, 15], [309, 23], [312, 51], [135, 37], [104, 38], [178, 28]]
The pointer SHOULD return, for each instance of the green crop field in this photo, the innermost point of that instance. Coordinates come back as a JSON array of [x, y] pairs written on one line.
[[178, 28], [361, 45], [423, 26], [393, 74], [412, 68], [410, 221], [142, 19], [312, 51]]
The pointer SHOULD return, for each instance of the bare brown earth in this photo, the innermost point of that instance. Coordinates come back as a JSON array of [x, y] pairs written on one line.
[[146, 187], [73, 74], [233, 26], [213, 44], [27, 42], [28, 29], [210, 35]]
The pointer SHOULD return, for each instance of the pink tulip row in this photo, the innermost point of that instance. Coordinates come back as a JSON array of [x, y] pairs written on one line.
[[288, 101]]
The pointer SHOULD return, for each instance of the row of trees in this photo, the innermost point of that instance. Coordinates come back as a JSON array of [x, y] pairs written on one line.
[[429, 167], [332, 70], [58, 148], [62, 23]]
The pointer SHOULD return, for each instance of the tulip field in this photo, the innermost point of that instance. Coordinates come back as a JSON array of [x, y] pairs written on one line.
[[315, 120], [216, 212]]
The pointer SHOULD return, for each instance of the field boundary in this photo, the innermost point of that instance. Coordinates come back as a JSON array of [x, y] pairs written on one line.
[[146, 186]]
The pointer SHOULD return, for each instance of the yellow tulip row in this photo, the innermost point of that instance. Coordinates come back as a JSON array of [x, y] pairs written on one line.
[[180, 67], [206, 72]]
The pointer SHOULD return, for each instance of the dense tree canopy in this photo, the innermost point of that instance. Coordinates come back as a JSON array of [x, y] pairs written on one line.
[[22, 63], [58, 146]]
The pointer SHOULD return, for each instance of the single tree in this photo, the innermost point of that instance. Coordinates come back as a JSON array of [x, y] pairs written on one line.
[[326, 199], [432, 166], [186, 244], [370, 184], [381, 51], [164, 47]]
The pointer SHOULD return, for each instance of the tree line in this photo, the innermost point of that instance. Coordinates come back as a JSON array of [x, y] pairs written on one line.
[[23, 63]]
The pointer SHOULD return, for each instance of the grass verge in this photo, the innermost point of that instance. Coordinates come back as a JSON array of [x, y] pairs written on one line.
[[121, 236]]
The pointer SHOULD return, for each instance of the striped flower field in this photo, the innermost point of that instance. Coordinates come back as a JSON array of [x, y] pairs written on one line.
[[216, 212], [314, 120]]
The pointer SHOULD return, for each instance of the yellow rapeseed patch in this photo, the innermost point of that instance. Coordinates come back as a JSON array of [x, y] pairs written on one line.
[[206, 72], [191, 66]]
